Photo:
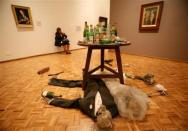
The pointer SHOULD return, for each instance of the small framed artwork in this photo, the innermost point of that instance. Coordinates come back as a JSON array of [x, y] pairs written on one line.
[[150, 16], [22, 16], [103, 21]]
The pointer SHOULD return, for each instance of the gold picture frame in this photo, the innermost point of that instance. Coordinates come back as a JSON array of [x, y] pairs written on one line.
[[150, 16], [22, 16]]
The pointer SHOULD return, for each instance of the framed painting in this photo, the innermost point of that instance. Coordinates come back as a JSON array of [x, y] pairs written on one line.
[[103, 21], [22, 16], [150, 16]]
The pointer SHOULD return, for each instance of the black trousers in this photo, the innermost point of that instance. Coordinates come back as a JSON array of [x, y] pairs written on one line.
[[65, 83], [65, 103]]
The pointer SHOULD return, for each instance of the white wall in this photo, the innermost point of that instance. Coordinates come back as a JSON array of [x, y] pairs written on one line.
[[67, 14]]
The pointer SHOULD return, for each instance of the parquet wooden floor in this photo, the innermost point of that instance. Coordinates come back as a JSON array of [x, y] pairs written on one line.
[[22, 108]]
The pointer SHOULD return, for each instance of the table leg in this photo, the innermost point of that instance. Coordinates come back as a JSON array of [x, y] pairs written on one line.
[[102, 59], [86, 69], [119, 64]]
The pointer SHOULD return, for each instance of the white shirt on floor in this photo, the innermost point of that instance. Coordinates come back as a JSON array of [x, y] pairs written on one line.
[[98, 102]]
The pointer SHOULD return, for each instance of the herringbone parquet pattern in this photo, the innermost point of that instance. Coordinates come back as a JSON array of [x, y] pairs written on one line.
[[22, 108]]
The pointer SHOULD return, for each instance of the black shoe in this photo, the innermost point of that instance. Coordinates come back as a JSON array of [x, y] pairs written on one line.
[[48, 94], [68, 52], [48, 100]]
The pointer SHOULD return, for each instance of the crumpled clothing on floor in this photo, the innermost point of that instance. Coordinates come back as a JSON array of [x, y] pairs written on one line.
[[148, 78], [132, 103], [65, 83]]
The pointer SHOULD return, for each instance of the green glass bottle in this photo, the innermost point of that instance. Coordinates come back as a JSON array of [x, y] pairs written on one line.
[[113, 30], [91, 34], [86, 31]]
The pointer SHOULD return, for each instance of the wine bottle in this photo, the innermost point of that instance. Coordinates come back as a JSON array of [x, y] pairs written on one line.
[[85, 31], [91, 34], [113, 30]]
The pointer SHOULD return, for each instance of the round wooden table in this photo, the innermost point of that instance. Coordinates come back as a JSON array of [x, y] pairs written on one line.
[[88, 74]]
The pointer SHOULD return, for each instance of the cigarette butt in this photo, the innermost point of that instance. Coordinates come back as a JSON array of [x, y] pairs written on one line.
[[42, 71]]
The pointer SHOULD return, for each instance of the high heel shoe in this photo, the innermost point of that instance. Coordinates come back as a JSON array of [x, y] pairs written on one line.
[[68, 52]]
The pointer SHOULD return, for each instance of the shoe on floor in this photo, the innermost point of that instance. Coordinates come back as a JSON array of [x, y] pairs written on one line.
[[47, 94], [68, 52], [48, 100]]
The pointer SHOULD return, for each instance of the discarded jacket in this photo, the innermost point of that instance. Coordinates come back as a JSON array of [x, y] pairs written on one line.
[[65, 83], [132, 103]]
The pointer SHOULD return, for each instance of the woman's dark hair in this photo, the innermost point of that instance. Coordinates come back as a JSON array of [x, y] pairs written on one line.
[[58, 30]]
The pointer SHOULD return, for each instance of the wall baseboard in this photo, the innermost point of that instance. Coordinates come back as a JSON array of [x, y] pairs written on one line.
[[37, 55], [155, 57]]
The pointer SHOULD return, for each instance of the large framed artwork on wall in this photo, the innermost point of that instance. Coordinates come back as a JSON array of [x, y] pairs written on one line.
[[150, 16], [22, 16]]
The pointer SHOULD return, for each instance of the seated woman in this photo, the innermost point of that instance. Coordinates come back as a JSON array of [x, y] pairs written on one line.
[[61, 40]]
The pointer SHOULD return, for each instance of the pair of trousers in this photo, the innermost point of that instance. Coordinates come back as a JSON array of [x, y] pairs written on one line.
[[65, 103]]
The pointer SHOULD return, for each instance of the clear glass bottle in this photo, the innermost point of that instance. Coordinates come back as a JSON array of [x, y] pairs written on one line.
[[96, 33], [108, 34], [113, 30]]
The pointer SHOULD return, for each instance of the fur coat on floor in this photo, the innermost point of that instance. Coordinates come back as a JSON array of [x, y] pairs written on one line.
[[132, 103]]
